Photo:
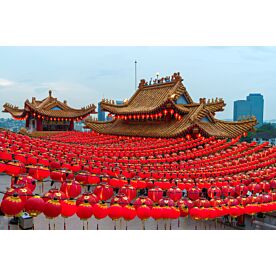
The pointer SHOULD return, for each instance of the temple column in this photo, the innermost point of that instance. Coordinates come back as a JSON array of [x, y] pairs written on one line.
[[39, 124], [27, 122], [71, 126]]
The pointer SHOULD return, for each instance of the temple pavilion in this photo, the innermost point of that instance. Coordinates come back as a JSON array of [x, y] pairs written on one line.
[[164, 108], [48, 114]]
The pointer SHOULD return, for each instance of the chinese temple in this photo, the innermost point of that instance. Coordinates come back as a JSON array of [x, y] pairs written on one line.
[[164, 108], [48, 114]]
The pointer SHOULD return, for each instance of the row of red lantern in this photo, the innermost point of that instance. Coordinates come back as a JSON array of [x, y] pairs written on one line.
[[58, 119], [13, 206], [154, 116], [202, 213]]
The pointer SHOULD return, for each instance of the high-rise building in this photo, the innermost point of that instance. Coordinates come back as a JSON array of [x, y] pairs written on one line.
[[102, 116], [101, 113], [252, 106]]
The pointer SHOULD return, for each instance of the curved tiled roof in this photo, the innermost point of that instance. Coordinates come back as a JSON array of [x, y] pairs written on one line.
[[149, 98], [45, 108]]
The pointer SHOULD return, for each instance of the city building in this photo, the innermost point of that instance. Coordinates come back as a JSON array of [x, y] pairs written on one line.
[[48, 114], [165, 109], [101, 113], [252, 106]]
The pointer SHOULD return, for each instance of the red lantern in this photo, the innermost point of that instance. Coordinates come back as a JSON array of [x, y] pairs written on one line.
[[104, 192], [214, 192], [12, 205], [71, 189], [120, 199], [100, 210], [193, 193], [174, 193], [155, 194], [68, 208], [143, 200], [54, 193], [14, 168], [39, 172], [129, 191], [143, 212], [84, 210], [34, 205], [115, 211], [157, 212], [129, 212], [91, 198], [52, 208]]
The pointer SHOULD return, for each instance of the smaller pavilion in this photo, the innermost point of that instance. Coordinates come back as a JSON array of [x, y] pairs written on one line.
[[48, 114]]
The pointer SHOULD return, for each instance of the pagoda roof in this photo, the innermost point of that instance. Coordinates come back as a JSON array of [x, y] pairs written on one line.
[[149, 97], [50, 107], [173, 128]]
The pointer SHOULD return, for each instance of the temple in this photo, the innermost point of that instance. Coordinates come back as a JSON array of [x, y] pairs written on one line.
[[49, 114], [164, 108]]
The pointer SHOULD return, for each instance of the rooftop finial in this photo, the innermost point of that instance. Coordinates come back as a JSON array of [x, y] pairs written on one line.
[[50, 93]]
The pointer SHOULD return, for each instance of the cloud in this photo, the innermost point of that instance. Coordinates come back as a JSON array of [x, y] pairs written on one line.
[[5, 83]]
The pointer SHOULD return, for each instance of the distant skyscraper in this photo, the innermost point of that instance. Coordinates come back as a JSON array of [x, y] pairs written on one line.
[[253, 105], [101, 113]]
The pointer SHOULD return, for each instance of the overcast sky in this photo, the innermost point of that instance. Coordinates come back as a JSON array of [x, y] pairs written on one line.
[[84, 75]]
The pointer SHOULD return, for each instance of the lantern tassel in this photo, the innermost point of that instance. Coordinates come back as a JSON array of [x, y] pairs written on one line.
[[115, 228], [170, 225], [83, 225], [126, 224], [49, 225], [178, 223], [87, 225], [143, 225], [97, 226], [120, 223], [64, 225], [156, 224]]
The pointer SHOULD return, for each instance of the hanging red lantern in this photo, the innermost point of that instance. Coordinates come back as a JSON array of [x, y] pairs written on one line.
[[12, 206], [26, 181], [115, 211], [128, 212], [104, 192], [214, 192], [157, 212], [54, 193], [121, 199], [143, 200], [68, 208], [143, 212], [91, 198], [14, 168], [174, 193], [71, 189], [39, 172], [241, 190], [84, 210], [52, 208], [194, 193], [34, 205], [100, 210], [155, 194], [129, 191]]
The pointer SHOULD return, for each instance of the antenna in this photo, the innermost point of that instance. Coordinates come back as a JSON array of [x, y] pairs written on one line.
[[135, 72]]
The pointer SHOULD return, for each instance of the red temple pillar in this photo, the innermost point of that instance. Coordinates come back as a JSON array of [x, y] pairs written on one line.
[[39, 124], [71, 126], [28, 122]]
